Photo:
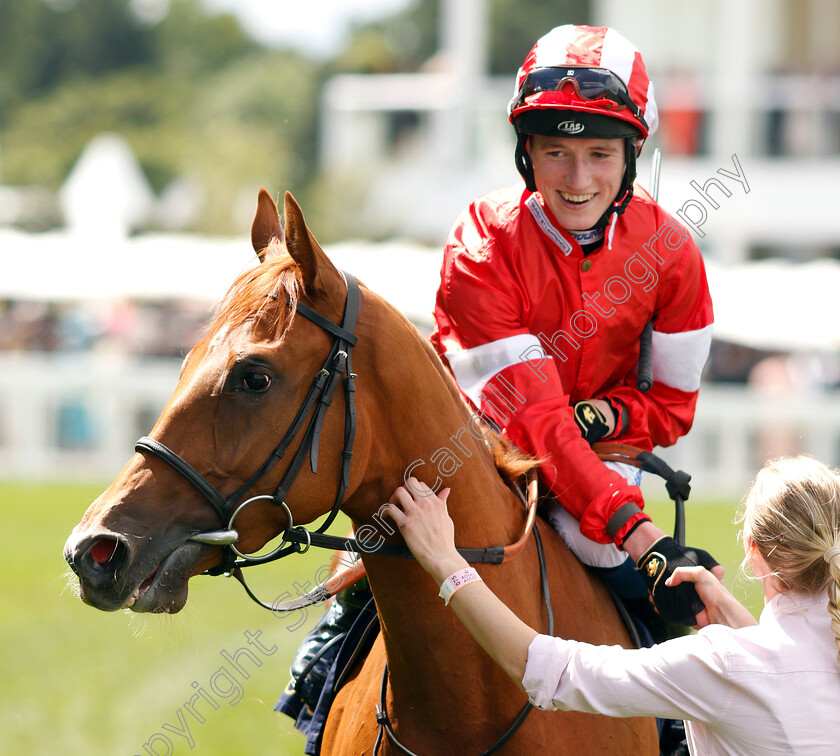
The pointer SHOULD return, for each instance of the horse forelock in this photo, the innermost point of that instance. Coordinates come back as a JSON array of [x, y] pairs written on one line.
[[265, 294]]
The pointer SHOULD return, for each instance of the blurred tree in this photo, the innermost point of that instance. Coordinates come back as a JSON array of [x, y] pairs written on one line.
[[193, 95], [255, 121], [368, 51], [399, 43], [190, 43], [250, 123], [407, 40], [44, 136], [45, 43]]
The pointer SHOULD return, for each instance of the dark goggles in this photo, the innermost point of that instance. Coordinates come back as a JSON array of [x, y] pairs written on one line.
[[589, 83]]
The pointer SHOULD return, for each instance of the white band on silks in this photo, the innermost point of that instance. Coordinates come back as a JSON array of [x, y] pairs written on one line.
[[456, 581]]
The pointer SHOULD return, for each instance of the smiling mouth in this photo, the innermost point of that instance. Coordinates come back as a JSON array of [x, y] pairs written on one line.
[[576, 199]]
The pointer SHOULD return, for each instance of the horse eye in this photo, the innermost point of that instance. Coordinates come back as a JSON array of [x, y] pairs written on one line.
[[256, 381]]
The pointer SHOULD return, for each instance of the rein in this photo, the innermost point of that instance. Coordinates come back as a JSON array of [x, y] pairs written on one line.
[[487, 555], [340, 580], [676, 481]]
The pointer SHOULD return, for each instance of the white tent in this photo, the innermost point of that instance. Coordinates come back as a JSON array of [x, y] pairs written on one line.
[[60, 266], [106, 191], [766, 305], [777, 304]]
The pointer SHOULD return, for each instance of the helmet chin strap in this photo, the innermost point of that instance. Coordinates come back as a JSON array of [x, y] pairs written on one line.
[[523, 160]]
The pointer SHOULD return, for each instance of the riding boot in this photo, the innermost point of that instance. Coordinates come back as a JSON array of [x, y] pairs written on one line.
[[672, 738], [316, 654]]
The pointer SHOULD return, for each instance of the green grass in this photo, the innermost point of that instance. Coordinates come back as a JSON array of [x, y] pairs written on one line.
[[79, 681]]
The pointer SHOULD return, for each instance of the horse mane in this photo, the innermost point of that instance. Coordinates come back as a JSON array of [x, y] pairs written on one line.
[[269, 292], [512, 463]]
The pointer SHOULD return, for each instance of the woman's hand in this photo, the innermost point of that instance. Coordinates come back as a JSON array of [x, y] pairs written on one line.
[[421, 516], [722, 608]]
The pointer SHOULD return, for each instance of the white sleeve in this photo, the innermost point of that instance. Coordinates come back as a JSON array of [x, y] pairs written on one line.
[[683, 678]]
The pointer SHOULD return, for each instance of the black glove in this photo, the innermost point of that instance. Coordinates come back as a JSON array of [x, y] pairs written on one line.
[[679, 604], [591, 420]]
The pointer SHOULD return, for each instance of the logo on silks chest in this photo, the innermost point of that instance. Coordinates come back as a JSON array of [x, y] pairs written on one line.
[[570, 127]]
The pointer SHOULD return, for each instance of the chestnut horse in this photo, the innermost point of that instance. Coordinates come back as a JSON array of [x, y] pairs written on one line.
[[239, 391]]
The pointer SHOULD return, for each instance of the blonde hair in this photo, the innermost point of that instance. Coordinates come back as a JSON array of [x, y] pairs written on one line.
[[792, 515]]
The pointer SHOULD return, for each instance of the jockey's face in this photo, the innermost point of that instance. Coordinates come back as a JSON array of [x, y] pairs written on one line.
[[578, 178]]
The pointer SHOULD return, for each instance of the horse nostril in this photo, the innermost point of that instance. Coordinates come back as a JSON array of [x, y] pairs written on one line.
[[104, 549], [107, 552]]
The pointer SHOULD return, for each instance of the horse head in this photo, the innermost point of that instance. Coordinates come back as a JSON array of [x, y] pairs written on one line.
[[240, 390]]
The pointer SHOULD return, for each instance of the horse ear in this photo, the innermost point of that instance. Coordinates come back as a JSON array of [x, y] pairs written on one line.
[[313, 262], [266, 226]]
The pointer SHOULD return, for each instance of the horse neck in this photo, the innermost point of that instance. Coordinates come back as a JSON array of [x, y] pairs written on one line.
[[433, 663], [418, 415], [416, 422]]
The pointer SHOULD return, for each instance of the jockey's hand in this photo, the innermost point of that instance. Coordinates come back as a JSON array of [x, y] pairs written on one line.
[[679, 603], [595, 418], [722, 608]]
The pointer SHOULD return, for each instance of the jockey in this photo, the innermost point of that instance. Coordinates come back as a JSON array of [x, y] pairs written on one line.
[[546, 288]]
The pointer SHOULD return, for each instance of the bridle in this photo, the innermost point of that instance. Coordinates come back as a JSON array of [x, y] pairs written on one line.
[[337, 367], [297, 539]]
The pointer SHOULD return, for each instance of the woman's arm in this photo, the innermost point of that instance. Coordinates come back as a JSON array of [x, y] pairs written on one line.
[[681, 678], [430, 534]]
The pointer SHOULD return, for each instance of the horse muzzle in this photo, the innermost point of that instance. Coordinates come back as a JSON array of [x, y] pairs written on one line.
[[112, 577]]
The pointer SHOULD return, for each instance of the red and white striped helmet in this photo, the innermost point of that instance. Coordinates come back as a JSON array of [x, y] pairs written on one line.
[[586, 47]]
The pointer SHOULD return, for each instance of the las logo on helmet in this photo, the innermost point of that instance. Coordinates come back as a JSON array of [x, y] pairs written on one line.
[[570, 127]]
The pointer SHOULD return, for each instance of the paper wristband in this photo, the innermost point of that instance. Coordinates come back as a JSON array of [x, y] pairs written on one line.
[[456, 581]]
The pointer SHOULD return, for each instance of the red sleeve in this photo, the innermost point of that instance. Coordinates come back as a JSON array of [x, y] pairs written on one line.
[[544, 427]]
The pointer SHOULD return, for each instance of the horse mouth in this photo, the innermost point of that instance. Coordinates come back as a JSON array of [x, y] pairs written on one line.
[[164, 589], [140, 590]]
